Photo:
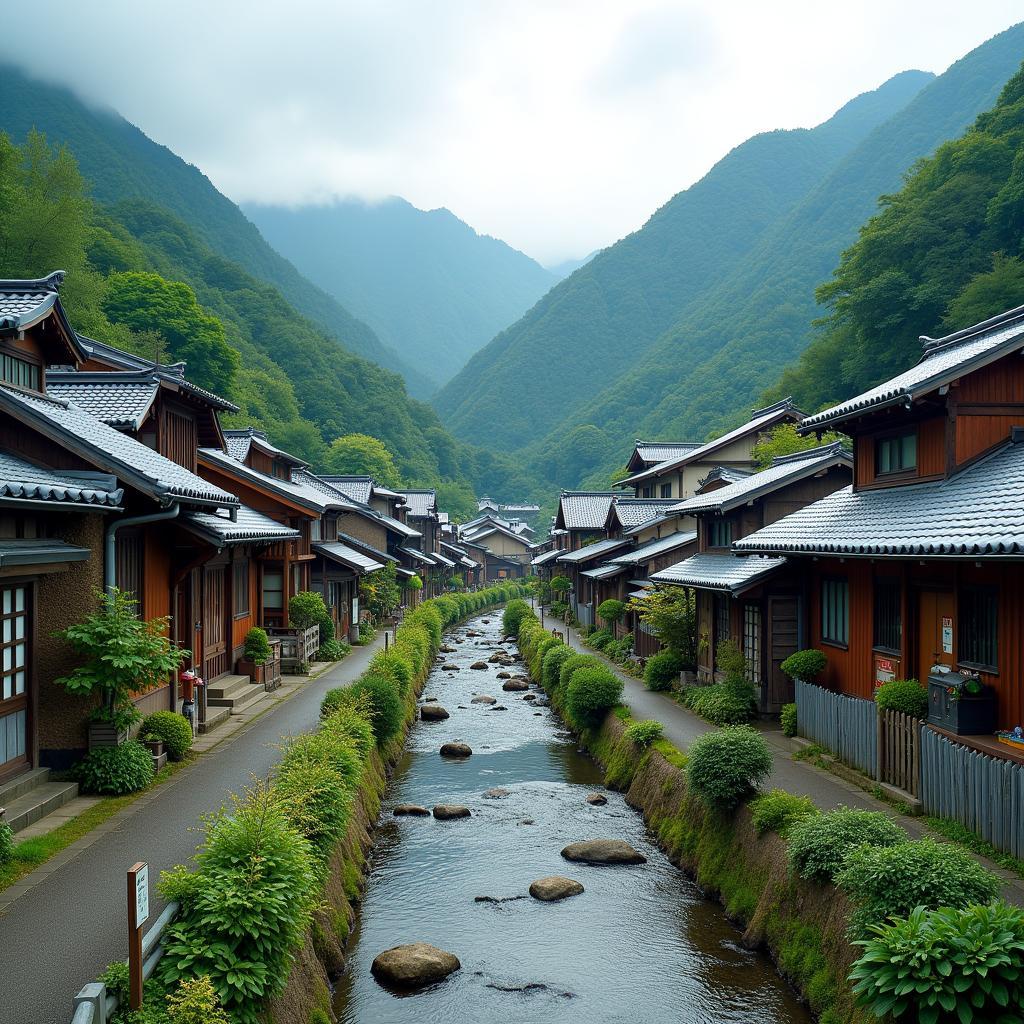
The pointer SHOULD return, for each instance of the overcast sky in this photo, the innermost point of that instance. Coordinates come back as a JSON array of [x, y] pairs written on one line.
[[557, 125]]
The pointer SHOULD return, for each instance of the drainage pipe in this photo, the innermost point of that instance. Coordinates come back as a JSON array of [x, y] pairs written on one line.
[[110, 540]]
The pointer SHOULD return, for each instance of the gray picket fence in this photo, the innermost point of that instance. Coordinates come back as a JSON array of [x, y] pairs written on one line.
[[984, 793], [847, 726]]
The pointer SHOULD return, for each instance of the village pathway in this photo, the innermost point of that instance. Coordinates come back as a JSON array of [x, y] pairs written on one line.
[[828, 791], [68, 920]]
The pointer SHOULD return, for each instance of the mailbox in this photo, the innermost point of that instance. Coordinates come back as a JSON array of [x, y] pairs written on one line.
[[959, 704]]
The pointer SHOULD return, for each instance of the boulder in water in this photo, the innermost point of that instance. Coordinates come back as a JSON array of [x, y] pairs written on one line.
[[597, 799], [515, 685], [480, 666], [456, 750], [411, 809], [483, 698], [413, 965], [449, 667], [603, 851], [504, 675], [433, 713], [496, 794], [554, 887], [529, 696], [446, 812]]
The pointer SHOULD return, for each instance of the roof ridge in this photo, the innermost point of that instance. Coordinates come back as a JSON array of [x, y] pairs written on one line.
[[933, 345], [50, 283], [785, 403], [833, 447]]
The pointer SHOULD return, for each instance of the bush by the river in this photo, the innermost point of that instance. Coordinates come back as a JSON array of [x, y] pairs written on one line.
[[776, 811], [555, 658], [726, 766], [515, 612], [572, 663], [819, 844], [114, 771], [591, 693], [645, 732]]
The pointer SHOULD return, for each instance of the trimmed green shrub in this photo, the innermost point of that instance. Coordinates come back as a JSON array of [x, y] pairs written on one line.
[[819, 845], [396, 666], [620, 649], [6, 843], [172, 728], [946, 965], [113, 771], [787, 719], [575, 661], [662, 670], [334, 650], [645, 732], [307, 609], [611, 610], [777, 810], [891, 881], [805, 665], [257, 645], [600, 639], [515, 612], [591, 694], [351, 724], [540, 649], [906, 695], [730, 660], [728, 703], [334, 700], [560, 584], [552, 664], [195, 1002], [386, 710], [726, 766]]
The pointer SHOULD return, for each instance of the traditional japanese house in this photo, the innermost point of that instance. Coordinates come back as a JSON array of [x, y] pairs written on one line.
[[918, 563], [507, 554], [754, 602]]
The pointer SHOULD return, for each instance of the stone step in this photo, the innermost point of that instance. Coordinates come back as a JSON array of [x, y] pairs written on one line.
[[21, 784], [39, 801], [226, 687], [239, 700], [214, 716]]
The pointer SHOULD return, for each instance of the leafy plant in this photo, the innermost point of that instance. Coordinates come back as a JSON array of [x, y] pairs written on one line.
[[6, 843], [366, 632], [333, 650], [113, 771], [257, 645], [728, 703], [600, 639], [891, 881], [819, 845], [195, 1001], [726, 766], [415, 583], [788, 720], [662, 670], [671, 615], [611, 611], [387, 712], [645, 732], [173, 729], [592, 692], [551, 666], [512, 618], [560, 584], [805, 665], [306, 609], [380, 593], [945, 966], [906, 695], [572, 663], [776, 810], [121, 655], [730, 660]]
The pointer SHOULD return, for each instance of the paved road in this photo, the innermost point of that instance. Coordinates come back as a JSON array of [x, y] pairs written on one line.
[[65, 931]]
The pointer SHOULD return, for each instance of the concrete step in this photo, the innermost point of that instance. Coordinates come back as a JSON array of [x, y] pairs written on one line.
[[238, 700], [22, 783], [226, 687], [214, 716], [39, 801]]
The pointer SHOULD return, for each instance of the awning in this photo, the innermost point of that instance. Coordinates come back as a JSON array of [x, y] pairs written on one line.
[[591, 551], [406, 574], [417, 556], [249, 527], [442, 560], [603, 572], [548, 556], [346, 556], [730, 573], [40, 552]]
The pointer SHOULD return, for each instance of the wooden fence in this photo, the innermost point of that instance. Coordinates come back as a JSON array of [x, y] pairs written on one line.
[[844, 725], [984, 793], [899, 751]]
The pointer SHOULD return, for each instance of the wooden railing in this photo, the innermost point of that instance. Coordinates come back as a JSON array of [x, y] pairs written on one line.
[[899, 751], [298, 646]]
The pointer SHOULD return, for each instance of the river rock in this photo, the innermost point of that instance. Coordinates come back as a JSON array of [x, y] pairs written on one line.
[[554, 887], [496, 659], [456, 750], [480, 666], [433, 713], [446, 649], [449, 667], [413, 965], [504, 675], [430, 700], [413, 809], [529, 696], [486, 622], [499, 707], [483, 698], [603, 851], [446, 812], [496, 794], [473, 632], [515, 685], [597, 799]]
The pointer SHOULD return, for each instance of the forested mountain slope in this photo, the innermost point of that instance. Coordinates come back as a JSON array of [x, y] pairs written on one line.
[[432, 289], [607, 314], [711, 367], [122, 163]]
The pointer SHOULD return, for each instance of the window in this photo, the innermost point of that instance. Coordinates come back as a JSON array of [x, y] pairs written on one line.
[[648, 492], [273, 590], [896, 454], [978, 611], [19, 371], [240, 587], [15, 641], [666, 490], [752, 641], [723, 618], [888, 618], [719, 533], [314, 530], [835, 612]]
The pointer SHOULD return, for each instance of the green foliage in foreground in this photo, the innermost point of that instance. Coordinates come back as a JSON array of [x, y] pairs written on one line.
[[591, 693], [726, 766], [906, 695], [819, 844], [776, 810], [114, 771], [805, 665], [662, 670], [172, 728], [788, 720], [644, 733]]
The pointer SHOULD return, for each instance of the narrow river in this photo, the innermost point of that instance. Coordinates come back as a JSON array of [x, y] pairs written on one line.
[[639, 945]]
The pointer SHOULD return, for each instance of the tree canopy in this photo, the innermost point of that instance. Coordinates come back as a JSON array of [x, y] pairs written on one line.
[[360, 454]]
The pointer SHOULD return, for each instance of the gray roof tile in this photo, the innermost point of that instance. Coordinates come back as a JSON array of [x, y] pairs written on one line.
[[119, 403], [248, 526], [421, 503], [24, 481], [548, 556], [347, 556], [707, 571], [661, 451], [590, 551], [654, 548], [633, 511], [585, 510], [358, 488]]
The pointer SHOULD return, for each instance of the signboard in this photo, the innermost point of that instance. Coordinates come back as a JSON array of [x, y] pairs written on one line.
[[141, 895], [885, 671], [947, 634]]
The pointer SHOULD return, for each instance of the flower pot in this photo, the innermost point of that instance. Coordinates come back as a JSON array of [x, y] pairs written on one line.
[[155, 747], [256, 671]]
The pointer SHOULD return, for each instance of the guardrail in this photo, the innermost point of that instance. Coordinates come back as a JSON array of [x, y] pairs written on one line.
[[94, 1004]]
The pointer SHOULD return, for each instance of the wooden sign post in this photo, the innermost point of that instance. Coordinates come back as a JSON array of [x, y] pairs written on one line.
[[138, 914]]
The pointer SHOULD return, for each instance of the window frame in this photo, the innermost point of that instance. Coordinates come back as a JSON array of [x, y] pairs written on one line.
[[964, 622], [28, 359], [722, 611], [666, 490], [903, 469], [877, 640], [264, 590], [751, 641], [827, 599], [240, 567], [716, 527]]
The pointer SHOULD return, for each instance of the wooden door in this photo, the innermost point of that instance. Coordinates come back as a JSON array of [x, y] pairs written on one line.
[[936, 610], [215, 660], [15, 679], [783, 640]]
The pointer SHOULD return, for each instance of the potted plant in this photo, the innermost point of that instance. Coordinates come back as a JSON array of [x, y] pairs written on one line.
[[154, 744], [257, 653], [121, 656]]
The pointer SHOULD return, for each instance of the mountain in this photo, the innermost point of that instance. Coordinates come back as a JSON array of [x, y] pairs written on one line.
[[431, 287], [567, 267], [606, 315], [123, 163]]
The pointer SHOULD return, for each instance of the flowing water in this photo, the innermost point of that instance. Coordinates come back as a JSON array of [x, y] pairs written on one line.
[[640, 944]]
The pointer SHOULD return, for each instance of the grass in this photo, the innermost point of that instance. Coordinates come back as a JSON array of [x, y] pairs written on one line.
[[971, 841], [30, 853], [672, 754]]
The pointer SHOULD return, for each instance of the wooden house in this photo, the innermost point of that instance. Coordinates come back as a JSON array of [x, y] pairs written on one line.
[[918, 563], [507, 554]]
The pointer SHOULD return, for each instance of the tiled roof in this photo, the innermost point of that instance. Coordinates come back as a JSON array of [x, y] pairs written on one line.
[[979, 512], [396, 525], [108, 449], [944, 360], [361, 545], [728, 474], [358, 488], [421, 503], [40, 552], [590, 551], [443, 559], [784, 470], [707, 571], [661, 451], [585, 510], [604, 571], [632, 512], [312, 486], [23, 481], [491, 528], [669, 517], [304, 496], [120, 400], [654, 548], [548, 556], [346, 556], [240, 441], [759, 420], [249, 526]]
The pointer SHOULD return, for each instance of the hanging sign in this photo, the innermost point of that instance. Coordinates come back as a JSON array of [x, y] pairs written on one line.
[[947, 634]]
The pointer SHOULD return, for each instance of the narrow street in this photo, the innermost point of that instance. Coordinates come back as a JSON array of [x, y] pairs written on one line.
[[76, 916]]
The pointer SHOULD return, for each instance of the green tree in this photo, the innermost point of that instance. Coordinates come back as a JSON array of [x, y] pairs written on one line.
[[670, 612], [361, 453], [784, 440], [146, 302], [1000, 288], [380, 593]]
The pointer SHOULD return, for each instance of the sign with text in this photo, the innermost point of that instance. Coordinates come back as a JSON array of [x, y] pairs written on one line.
[[141, 895], [947, 635]]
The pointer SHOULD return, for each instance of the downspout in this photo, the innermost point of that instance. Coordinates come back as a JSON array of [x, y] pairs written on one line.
[[110, 540]]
